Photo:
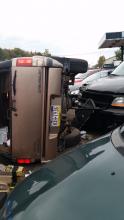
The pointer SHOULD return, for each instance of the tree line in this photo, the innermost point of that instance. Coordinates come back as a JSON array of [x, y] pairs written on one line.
[[6, 54]]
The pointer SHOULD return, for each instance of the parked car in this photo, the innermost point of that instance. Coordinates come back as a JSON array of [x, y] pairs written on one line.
[[89, 80], [107, 96], [79, 78], [85, 183], [111, 65]]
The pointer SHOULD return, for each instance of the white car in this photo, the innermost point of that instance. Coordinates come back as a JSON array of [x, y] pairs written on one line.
[[74, 90]]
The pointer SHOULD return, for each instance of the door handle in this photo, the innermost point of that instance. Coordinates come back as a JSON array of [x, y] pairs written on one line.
[[14, 83]]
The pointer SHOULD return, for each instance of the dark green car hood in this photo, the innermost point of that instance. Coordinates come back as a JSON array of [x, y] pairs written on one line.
[[84, 184]]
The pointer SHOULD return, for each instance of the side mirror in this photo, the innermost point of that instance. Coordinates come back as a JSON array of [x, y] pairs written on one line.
[[109, 72]]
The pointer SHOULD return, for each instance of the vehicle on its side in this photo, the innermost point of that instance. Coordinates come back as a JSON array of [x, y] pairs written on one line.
[[106, 96], [35, 128], [85, 183]]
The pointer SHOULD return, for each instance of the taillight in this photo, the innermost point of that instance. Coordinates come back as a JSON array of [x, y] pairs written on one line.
[[24, 62], [23, 161], [77, 80]]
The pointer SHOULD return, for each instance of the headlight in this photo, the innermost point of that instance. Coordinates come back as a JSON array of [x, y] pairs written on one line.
[[118, 102], [75, 92]]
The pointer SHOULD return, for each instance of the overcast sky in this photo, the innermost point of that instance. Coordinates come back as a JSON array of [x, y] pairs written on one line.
[[70, 28]]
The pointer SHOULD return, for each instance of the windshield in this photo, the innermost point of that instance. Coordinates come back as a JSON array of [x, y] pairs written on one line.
[[88, 73], [95, 76], [119, 71], [81, 75]]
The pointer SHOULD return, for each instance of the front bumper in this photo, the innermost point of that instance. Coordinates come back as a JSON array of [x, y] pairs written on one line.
[[104, 109], [118, 112]]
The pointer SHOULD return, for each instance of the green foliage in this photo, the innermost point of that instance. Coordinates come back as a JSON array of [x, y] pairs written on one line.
[[46, 53], [118, 54], [101, 61], [6, 54]]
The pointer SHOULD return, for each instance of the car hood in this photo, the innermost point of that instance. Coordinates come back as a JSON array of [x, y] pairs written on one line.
[[92, 187], [111, 84]]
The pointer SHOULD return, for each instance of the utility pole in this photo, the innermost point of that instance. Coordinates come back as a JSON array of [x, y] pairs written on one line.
[[122, 53]]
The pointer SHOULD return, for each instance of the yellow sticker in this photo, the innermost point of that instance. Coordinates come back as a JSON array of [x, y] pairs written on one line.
[[55, 115]]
